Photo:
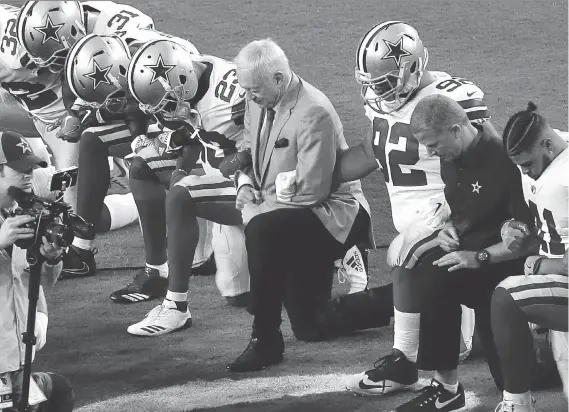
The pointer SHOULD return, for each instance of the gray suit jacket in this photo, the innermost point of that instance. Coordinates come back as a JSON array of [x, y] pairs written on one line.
[[310, 133]]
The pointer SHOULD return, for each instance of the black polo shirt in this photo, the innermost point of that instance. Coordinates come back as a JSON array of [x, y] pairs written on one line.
[[483, 189]]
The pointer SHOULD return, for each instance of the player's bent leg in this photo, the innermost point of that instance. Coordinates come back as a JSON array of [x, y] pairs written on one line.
[[232, 276], [148, 177], [210, 197]]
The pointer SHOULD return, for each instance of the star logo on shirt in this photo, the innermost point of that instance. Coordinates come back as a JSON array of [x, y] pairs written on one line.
[[160, 70], [396, 51], [50, 31], [99, 75], [476, 187], [25, 147]]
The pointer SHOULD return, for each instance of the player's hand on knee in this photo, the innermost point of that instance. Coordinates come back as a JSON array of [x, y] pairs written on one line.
[[448, 238], [70, 129], [247, 195], [463, 259]]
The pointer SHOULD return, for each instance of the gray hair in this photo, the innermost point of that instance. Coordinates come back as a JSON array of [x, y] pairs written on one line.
[[265, 58], [437, 113]]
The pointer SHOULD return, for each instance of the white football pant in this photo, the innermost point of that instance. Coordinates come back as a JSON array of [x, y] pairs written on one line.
[[230, 252], [204, 248], [560, 348]]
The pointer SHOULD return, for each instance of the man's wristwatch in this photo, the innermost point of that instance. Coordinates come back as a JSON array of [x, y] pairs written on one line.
[[482, 257]]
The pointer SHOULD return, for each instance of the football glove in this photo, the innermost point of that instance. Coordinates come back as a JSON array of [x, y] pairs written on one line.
[[70, 129], [234, 162]]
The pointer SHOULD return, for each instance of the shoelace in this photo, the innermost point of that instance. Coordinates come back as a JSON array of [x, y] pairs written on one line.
[[137, 280], [383, 360], [504, 406]]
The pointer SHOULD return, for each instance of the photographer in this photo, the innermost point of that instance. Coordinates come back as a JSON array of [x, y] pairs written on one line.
[[17, 163]]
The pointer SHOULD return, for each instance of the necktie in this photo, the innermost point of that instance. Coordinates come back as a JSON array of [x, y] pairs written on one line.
[[265, 133]]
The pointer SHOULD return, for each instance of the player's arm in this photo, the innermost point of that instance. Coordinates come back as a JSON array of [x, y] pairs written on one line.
[[355, 162]]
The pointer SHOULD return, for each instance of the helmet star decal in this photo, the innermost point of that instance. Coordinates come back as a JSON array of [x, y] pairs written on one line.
[[25, 147], [50, 31], [159, 70], [99, 75], [396, 51]]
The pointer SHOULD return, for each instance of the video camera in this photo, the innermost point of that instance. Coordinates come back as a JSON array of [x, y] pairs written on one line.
[[52, 219]]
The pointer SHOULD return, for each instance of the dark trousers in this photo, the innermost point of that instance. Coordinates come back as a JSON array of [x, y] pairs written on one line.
[[439, 294], [291, 260]]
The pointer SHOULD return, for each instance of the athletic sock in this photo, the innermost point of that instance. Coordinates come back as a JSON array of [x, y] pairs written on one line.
[[84, 244], [451, 387], [406, 334], [180, 299], [519, 398], [162, 269], [122, 210]]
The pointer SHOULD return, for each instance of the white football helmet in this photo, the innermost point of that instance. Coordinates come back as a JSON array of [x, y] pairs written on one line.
[[162, 78], [390, 63], [48, 29], [96, 71]]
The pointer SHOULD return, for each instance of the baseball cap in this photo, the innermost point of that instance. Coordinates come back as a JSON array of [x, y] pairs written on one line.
[[17, 154]]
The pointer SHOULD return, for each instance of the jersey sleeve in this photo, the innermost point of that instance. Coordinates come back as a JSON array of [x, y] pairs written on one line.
[[468, 95]]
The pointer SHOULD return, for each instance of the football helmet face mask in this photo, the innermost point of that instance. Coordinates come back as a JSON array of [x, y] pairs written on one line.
[[162, 78], [48, 29], [390, 63], [96, 71]]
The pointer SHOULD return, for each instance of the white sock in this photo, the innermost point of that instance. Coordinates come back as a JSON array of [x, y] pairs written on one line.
[[406, 333], [467, 326], [203, 248], [451, 387], [84, 244], [177, 296], [122, 209], [162, 269], [519, 398]]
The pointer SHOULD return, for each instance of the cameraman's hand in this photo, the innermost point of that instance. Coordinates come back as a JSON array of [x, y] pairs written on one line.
[[10, 231], [50, 251]]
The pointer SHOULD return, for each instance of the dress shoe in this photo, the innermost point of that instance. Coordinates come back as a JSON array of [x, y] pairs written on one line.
[[260, 352]]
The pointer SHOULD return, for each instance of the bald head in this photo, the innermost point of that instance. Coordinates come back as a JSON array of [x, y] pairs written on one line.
[[442, 125]]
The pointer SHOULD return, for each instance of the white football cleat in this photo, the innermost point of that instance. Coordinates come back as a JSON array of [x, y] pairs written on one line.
[[510, 406], [352, 268], [164, 318]]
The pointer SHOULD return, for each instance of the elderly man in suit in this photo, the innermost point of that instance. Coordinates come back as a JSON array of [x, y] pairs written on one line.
[[296, 223]]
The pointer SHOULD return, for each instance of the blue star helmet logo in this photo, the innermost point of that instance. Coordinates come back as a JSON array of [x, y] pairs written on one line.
[[396, 51], [50, 31], [160, 70], [99, 75]]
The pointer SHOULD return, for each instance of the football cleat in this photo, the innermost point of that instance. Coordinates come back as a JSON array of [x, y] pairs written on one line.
[[510, 406], [78, 263], [390, 373], [164, 318], [146, 285], [435, 398], [353, 268]]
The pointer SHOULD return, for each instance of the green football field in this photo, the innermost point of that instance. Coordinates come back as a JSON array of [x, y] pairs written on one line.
[[514, 50]]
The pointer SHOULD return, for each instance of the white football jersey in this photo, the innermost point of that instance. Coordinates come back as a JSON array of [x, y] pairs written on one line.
[[412, 176], [38, 94], [108, 17], [548, 199], [137, 37], [221, 110]]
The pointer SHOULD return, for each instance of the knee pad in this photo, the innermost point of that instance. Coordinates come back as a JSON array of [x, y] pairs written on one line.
[[204, 248], [560, 348], [230, 253]]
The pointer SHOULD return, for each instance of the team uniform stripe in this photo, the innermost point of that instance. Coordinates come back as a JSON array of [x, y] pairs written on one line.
[[472, 103], [216, 199], [228, 192], [207, 186], [543, 300], [538, 285], [419, 249], [478, 115], [157, 165]]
